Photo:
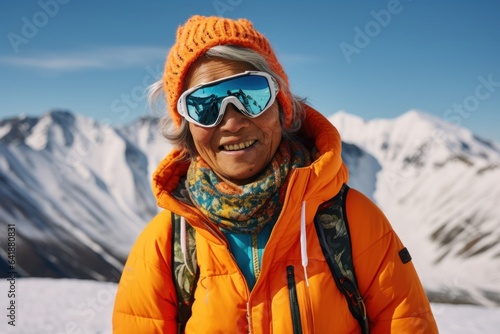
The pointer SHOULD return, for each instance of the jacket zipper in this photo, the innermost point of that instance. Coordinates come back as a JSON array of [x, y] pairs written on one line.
[[294, 303], [248, 313]]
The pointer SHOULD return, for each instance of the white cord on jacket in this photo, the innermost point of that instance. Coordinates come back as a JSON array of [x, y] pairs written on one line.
[[303, 241]]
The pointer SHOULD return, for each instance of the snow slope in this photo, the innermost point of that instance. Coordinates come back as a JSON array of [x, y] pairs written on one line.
[[77, 191], [439, 185], [57, 306]]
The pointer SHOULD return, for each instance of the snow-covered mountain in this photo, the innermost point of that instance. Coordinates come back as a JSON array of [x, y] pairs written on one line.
[[79, 193], [439, 185]]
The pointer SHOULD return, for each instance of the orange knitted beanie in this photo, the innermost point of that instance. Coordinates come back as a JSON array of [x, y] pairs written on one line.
[[201, 33]]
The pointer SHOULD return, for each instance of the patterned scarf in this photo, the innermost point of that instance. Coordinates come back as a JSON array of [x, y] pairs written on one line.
[[246, 208]]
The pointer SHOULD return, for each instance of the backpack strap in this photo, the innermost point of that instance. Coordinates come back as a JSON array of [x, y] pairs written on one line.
[[185, 271], [333, 233]]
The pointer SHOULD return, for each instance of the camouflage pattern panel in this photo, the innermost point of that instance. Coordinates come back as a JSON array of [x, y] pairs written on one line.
[[333, 231], [185, 269]]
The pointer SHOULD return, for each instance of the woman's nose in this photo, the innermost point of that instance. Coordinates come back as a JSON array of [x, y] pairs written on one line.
[[233, 119]]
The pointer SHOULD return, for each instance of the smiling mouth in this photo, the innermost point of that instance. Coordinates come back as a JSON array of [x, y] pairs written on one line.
[[240, 146]]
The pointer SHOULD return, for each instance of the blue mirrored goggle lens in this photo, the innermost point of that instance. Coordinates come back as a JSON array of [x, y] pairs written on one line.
[[252, 91]]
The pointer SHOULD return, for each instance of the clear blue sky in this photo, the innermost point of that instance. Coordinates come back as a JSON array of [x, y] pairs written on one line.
[[375, 59]]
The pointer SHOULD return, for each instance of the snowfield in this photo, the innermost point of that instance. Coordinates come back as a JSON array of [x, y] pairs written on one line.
[[66, 306]]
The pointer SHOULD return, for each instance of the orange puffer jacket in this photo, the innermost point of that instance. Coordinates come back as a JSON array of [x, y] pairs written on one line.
[[395, 300]]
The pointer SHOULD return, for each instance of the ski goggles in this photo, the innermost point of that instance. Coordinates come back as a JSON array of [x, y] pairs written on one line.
[[251, 92]]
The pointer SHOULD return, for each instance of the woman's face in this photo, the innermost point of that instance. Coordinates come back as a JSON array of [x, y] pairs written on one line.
[[239, 147]]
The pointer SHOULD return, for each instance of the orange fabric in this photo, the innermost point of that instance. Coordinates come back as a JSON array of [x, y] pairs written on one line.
[[201, 33], [396, 302]]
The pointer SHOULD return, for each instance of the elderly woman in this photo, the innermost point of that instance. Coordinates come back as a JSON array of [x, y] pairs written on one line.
[[251, 165]]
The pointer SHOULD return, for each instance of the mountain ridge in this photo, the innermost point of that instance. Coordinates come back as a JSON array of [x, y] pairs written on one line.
[[438, 184]]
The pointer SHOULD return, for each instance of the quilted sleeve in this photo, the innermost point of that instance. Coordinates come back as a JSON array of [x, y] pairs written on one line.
[[395, 299], [146, 299]]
